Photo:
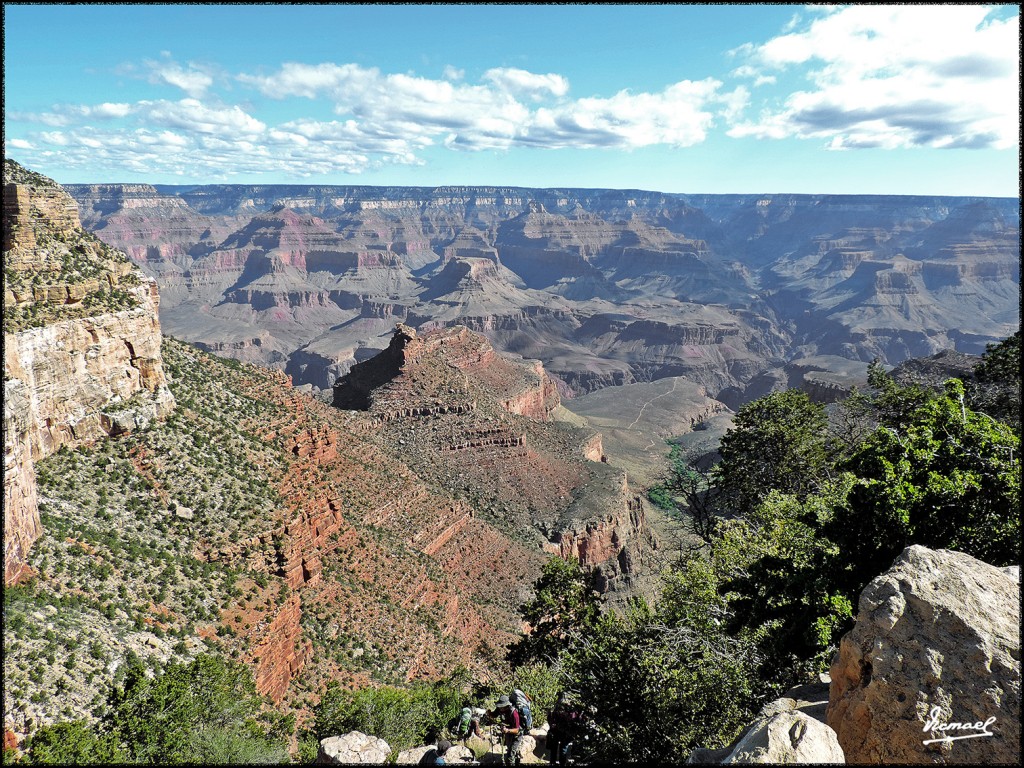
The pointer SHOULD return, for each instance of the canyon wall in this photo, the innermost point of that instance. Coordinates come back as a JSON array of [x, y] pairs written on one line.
[[605, 287], [67, 381]]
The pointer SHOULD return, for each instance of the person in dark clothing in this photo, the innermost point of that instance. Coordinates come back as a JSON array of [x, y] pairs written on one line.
[[563, 721]]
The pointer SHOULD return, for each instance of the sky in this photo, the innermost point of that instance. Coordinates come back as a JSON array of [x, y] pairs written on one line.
[[861, 99]]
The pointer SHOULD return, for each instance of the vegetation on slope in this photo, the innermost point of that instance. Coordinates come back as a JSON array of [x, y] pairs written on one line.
[[805, 507], [756, 609]]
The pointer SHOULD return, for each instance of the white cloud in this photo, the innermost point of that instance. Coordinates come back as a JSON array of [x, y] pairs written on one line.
[[194, 81], [19, 144], [380, 118], [895, 76], [193, 116], [523, 83]]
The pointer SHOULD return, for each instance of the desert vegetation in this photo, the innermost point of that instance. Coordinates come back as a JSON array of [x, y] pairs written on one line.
[[806, 505]]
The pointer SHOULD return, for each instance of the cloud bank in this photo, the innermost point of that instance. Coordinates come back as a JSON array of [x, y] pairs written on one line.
[[851, 77]]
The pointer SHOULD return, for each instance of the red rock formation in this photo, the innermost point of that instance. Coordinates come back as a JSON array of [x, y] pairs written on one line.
[[281, 652]]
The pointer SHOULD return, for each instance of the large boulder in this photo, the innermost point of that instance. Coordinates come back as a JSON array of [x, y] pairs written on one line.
[[788, 737], [935, 653], [353, 747], [782, 733]]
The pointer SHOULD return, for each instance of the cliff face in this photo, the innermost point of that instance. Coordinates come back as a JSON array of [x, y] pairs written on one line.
[[479, 424], [21, 510], [81, 345]]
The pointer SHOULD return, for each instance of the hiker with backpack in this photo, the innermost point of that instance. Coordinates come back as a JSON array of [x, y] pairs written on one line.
[[465, 724], [563, 722], [512, 730], [522, 704]]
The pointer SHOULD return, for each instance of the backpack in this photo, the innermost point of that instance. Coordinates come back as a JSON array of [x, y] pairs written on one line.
[[522, 705], [459, 724]]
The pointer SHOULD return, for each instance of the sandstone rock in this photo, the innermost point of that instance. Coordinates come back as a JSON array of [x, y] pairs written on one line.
[[418, 756], [786, 731], [788, 737], [353, 747], [21, 509], [937, 641], [458, 754], [455, 755]]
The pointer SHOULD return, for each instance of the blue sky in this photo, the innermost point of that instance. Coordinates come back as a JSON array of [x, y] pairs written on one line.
[[889, 99]]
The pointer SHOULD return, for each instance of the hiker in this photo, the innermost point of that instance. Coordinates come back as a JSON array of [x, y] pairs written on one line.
[[512, 730], [522, 704], [563, 721], [466, 724], [474, 722], [442, 747]]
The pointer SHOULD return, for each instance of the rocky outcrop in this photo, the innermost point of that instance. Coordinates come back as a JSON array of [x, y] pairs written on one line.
[[353, 748], [69, 381], [616, 545], [931, 670], [282, 651], [90, 378], [21, 509], [524, 387], [479, 424], [788, 730]]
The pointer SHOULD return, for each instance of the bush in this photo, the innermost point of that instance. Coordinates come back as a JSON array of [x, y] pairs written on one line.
[[73, 743], [403, 717]]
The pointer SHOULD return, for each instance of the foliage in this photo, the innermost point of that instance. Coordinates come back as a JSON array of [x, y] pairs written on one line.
[[659, 683], [204, 711], [403, 717], [564, 604], [72, 743], [776, 443], [996, 386], [946, 477]]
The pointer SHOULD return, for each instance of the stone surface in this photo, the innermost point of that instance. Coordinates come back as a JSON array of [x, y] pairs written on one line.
[[937, 638], [21, 508], [788, 737], [353, 747], [790, 729]]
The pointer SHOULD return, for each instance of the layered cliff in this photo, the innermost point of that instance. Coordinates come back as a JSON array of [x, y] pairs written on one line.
[[480, 425], [722, 289], [81, 344]]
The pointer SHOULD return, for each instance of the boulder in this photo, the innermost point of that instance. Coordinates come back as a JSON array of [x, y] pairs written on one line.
[[353, 747], [418, 756], [934, 653], [788, 736], [782, 733]]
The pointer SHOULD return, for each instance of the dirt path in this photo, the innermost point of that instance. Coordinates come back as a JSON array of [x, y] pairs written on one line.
[[656, 397]]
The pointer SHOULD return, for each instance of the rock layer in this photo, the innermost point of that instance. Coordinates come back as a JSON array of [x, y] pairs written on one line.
[[723, 289], [479, 424], [69, 381]]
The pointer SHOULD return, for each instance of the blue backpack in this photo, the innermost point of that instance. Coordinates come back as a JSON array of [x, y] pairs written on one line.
[[522, 705]]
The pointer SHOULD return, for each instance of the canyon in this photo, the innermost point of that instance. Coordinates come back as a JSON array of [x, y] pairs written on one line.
[[604, 287], [171, 500]]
